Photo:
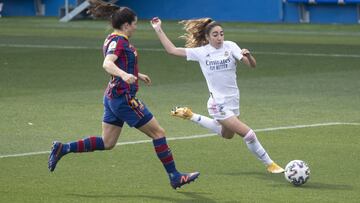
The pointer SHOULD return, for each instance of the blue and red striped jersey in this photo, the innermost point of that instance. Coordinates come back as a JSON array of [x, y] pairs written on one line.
[[127, 61]]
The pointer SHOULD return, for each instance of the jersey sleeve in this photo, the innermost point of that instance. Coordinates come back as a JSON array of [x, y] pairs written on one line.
[[236, 50], [116, 46], [193, 54]]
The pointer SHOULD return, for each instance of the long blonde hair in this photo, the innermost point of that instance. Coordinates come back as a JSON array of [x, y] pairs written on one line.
[[196, 31]]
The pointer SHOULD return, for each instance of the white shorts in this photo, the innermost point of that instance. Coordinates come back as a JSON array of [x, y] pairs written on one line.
[[221, 109]]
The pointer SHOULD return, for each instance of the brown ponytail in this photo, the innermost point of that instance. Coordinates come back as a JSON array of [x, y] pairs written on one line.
[[101, 9], [107, 10]]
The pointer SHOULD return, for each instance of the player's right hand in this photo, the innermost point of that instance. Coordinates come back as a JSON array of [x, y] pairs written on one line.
[[129, 78], [156, 23]]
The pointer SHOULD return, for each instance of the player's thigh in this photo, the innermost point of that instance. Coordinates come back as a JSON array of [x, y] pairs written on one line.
[[153, 129], [234, 124], [110, 134]]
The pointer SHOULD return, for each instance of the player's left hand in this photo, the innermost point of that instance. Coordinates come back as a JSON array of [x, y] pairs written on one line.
[[146, 79], [245, 52]]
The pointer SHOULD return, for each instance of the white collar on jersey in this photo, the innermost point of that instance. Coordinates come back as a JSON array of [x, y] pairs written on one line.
[[211, 48]]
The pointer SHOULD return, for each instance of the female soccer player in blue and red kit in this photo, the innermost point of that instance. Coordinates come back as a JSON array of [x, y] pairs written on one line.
[[120, 102]]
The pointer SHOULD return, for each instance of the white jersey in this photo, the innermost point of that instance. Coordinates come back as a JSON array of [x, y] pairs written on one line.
[[219, 68]]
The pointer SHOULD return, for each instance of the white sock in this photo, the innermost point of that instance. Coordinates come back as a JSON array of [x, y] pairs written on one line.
[[257, 149], [207, 122]]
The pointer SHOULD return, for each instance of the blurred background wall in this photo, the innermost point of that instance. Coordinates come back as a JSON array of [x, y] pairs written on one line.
[[268, 11]]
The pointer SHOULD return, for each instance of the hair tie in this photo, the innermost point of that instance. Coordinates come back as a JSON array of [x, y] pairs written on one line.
[[208, 22]]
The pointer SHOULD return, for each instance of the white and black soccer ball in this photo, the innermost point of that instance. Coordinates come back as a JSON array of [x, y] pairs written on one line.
[[297, 172]]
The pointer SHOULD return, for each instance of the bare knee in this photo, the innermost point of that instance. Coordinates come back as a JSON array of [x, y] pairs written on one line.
[[227, 135], [110, 135], [109, 144], [158, 133]]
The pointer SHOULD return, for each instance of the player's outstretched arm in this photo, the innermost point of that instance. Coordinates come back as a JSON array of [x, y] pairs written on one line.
[[167, 44]]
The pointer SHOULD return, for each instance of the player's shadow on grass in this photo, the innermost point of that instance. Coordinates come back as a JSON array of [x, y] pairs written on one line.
[[326, 186], [192, 197], [280, 179], [259, 175], [197, 197]]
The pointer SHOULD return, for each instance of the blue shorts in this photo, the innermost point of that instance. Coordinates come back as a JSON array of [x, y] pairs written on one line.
[[126, 109]]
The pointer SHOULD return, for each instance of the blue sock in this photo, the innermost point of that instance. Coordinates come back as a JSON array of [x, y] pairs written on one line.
[[164, 154], [85, 145]]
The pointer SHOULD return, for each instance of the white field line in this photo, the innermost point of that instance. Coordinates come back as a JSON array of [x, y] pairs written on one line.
[[197, 136], [161, 50]]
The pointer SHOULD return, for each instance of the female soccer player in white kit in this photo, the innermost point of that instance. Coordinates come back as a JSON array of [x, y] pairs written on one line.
[[218, 59]]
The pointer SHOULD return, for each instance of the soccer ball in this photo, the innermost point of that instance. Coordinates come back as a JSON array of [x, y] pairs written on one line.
[[297, 172]]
